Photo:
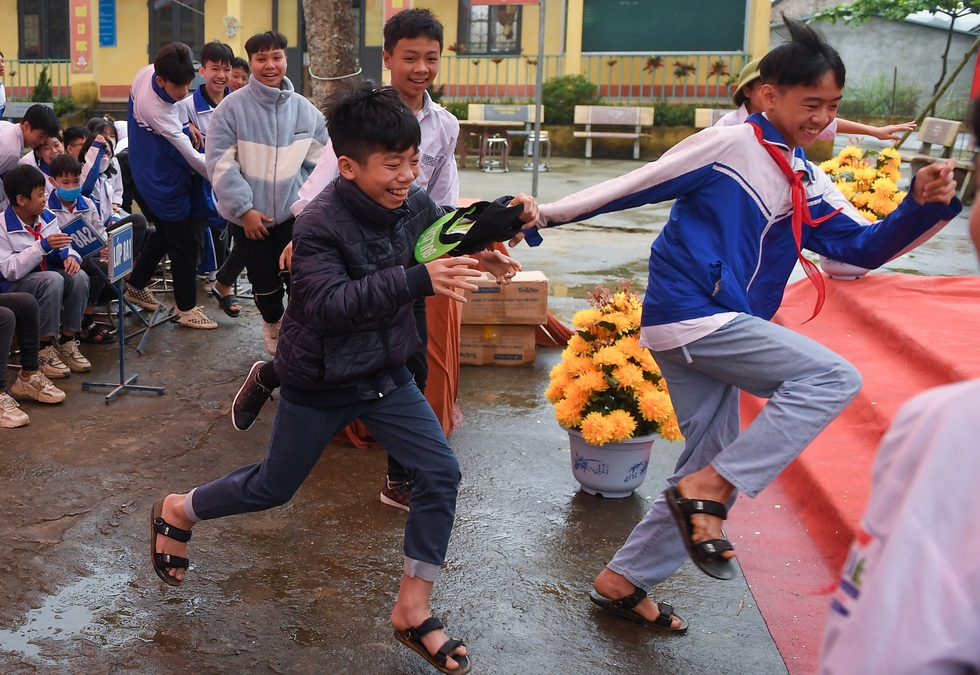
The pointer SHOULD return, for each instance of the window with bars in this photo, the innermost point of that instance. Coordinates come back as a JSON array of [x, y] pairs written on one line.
[[489, 29], [44, 31], [176, 21]]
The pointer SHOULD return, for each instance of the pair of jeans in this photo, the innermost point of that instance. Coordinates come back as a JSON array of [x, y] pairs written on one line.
[[402, 421], [807, 386], [181, 240], [261, 257], [18, 313], [61, 299]]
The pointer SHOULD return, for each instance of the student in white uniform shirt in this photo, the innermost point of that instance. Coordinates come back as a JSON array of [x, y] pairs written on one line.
[[748, 98], [39, 123], [909, 595]]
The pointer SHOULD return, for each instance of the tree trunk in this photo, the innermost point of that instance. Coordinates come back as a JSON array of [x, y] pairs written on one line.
[[331, 39], [949, 42]]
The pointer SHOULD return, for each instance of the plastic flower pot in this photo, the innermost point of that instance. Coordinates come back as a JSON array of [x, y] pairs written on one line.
[[841, 270], [612, 470]]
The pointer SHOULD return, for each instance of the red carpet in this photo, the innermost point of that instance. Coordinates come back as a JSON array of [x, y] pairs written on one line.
[[905, 334]]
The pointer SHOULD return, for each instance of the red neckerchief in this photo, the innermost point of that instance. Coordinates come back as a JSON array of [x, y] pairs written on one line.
[[36, 231], [801, 214]]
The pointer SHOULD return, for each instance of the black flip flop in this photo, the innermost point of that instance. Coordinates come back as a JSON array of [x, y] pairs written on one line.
[[412, 638], [705, 554], [162, 562], [226, 302], [96, 334], [624, 608]]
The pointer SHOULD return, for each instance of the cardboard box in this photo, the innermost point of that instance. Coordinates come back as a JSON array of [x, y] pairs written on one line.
[[496, 345], [523, 301]]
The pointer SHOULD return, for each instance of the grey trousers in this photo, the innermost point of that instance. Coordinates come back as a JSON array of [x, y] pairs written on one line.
[[60, 296], [807, 386]]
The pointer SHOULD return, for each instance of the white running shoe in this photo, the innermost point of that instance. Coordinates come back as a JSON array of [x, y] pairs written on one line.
[[71, 357], [51, 364], [37, 387], [270, 336], [11, 416], [194, 318], [141, 297]]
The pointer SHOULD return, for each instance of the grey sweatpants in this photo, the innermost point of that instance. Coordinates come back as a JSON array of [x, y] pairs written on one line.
[[60, 296], [807, 386]]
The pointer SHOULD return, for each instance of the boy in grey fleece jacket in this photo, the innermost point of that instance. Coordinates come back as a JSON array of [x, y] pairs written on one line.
[[264, 140]]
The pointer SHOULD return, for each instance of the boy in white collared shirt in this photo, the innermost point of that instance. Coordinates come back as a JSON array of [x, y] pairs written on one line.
[[37, 258]]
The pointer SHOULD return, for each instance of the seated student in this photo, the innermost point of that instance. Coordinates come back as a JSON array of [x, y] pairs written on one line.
[[239, 73], [42, 156], [748, 98], [19, 313], [37, 258], [97, 126], [74, 138], [38, 125], [346, 334], [69, 202]]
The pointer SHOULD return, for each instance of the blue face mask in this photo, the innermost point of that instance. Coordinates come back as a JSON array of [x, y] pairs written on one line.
[[69, 194]]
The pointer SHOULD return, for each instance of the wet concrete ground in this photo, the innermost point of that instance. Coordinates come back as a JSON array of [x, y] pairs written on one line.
[[307, 588]]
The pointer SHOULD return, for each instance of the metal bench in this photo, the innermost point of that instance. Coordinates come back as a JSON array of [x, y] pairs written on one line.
[[16, 110], [485, 120], [612, 116], [944, 133]]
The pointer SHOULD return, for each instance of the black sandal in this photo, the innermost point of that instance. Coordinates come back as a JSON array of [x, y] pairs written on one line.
[[164, 561], [226, 302], [705, 554], [624, 608], [412, 638], [96, 334]]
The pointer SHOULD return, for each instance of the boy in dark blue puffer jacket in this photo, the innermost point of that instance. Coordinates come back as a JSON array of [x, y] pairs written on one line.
[[346, 334]]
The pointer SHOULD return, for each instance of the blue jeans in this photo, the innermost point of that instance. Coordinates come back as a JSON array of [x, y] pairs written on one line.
[[807, 386], [60, 296], [402, 422]]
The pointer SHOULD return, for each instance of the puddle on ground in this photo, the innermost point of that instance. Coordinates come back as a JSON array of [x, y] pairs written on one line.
[[84, 609]]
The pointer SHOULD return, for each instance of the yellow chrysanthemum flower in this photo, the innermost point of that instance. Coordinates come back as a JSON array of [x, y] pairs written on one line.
[[628, 375], [670, 431], [556, 388], [609, 356], [830, 165], [576, 345], [568, 413], [861, 199], [620, 424], [847, 189], [584, 319], [884, 186], [870, 216], [899, 196], [577, 395], [630, 346], [596, 429], [850, 151], [890, 153], [865, 175], [655, 406], [576, 365], [881, 204], [593, 381]]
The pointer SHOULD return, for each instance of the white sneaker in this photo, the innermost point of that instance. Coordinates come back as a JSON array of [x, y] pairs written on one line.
[[141, 297], [71, 357], [51, 364], [11, 416], [270, 336], [37, 387], [194, 318]]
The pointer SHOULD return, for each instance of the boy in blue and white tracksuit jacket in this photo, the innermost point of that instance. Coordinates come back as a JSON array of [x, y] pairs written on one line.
[[717, 273], [164, 164]]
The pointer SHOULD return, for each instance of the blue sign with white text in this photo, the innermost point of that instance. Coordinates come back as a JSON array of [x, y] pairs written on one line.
[[107, 23], [85, 239], [120, 252]]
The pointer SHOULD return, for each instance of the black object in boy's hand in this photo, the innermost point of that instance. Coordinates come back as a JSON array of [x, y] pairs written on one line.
[[469, 229]]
